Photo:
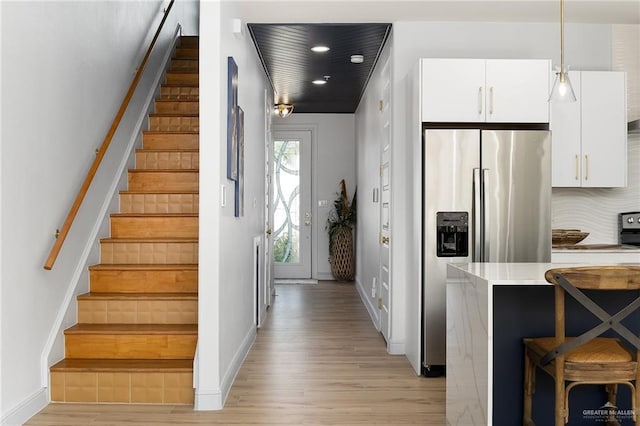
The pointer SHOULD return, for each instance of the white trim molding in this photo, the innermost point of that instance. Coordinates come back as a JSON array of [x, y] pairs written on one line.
[[373, 311], [26, 409], [214, 399]]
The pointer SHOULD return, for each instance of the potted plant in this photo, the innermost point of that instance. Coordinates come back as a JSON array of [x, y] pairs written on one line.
[[340, 223]]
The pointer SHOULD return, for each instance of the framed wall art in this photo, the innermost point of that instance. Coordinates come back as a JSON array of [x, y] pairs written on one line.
[[232, 120]]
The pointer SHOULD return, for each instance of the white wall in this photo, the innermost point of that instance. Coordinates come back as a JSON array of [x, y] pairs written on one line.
[[65, 69], [588, 46], [333, 159], [226, 294]]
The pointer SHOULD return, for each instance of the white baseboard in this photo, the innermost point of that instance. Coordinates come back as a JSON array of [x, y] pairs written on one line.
[[213, 399], [208, 400], [373, 311], [26, 409], [396, 348], [236, 362]]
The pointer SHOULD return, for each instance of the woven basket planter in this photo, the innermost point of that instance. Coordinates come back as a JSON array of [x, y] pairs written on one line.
[[342, 261]]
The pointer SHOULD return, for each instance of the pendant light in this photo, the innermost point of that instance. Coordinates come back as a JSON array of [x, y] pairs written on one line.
[[283, 110], [562, 90]]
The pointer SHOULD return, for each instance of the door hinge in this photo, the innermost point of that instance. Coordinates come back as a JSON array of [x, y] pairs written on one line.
[[381, 170], [379, 303], [380, 104]]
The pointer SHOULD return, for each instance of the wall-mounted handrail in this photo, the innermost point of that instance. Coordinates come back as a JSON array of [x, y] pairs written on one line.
[[61, 235]]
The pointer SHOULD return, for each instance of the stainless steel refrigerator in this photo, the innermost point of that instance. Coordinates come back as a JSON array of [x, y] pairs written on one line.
[[486, 198]]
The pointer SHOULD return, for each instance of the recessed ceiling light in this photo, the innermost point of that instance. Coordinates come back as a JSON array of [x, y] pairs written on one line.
[[319, 82], [320, 49], [357, 59]]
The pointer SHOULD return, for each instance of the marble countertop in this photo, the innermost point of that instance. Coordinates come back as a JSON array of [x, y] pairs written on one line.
[[510, 273]]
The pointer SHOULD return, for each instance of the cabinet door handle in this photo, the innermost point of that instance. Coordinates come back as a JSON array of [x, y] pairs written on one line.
[[491, 100], [586, 167], [480, 100], [577, 166]]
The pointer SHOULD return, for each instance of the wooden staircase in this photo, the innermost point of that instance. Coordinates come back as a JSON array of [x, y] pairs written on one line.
[[137, 328]]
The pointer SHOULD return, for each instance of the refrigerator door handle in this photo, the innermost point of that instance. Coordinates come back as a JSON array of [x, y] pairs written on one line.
[[486, 252], [477, 255]]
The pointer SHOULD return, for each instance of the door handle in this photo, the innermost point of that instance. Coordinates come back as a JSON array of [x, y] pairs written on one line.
[[477, 257], [491, 100], [480, 100], [486, 253], [586, 167], [577, 166]]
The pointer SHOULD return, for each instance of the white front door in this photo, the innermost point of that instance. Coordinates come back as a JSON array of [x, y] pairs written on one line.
[[267, 289], [291, 186]]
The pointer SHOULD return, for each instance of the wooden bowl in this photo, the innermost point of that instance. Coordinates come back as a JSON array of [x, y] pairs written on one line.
[[567, 237]]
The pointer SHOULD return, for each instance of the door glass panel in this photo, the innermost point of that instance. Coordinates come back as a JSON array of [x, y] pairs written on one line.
[[286, 207]]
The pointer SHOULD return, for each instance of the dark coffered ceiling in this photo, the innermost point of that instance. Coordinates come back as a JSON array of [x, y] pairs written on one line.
[[285, 52]]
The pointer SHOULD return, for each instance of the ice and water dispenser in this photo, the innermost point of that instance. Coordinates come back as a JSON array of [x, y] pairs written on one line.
[[453, 234]]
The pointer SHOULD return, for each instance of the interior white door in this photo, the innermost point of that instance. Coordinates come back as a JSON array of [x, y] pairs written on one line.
[[384, 300], [292, 204]]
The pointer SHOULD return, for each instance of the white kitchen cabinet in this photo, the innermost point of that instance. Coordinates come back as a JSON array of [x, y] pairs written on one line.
[[589, 137], [485, 90]]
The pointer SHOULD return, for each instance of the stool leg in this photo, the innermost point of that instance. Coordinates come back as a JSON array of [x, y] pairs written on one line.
[[636, 406], [561, 415], [529, 388], [612, 396]]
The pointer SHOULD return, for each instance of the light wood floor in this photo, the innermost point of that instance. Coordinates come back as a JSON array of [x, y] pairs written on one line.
[[317, 361]]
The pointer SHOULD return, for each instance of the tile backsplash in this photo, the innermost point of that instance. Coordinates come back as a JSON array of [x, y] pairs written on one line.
[[595, 210]]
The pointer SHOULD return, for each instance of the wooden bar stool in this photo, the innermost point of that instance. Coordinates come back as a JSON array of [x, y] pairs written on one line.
[[588, 358]]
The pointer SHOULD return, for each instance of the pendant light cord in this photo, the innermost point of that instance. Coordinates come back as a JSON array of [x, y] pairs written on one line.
[[562, 79]]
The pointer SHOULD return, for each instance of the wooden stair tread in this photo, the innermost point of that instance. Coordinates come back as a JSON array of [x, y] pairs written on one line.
[[161, 329], [162, 170], [143, 267], [138, 296], [167, 150], [180, 84], [135, 365], [154, 214], [150, 240], [157, 191], [173, 114], [191, 72], [155, 132], [144, 150], [161, 99], [169, 100]]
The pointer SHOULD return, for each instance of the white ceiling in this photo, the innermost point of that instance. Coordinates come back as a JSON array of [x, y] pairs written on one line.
[[336, 11]]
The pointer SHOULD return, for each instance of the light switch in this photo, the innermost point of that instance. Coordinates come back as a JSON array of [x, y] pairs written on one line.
[[323, 203]]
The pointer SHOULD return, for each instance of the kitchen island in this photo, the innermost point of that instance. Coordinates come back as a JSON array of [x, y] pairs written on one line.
[[490, 308]]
